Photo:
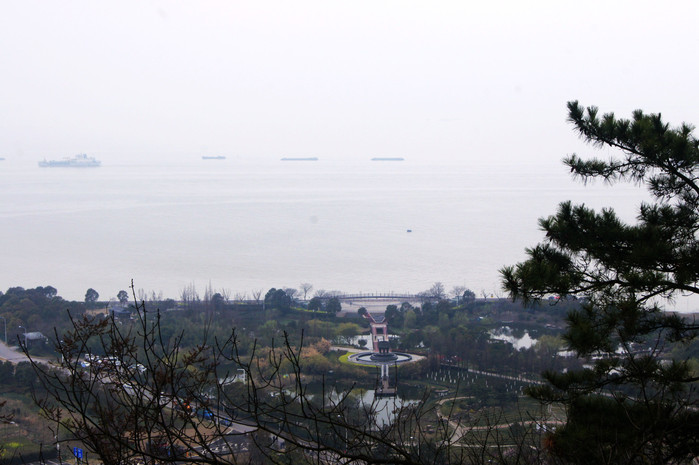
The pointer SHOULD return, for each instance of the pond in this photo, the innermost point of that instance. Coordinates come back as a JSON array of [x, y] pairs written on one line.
[[505, 333], [383, 410], [519, 340], [354, 340]]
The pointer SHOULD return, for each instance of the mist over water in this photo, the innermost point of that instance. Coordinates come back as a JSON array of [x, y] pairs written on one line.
[[246, 226]]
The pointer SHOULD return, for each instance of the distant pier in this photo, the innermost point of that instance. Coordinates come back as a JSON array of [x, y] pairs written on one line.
[[403, 297]]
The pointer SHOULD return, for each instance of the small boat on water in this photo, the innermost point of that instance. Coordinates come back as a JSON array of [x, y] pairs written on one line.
[[300, 159], [387, 159], [217, 157], [79, 161]]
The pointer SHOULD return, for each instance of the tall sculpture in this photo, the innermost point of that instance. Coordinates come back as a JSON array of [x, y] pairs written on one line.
[[381, 356]]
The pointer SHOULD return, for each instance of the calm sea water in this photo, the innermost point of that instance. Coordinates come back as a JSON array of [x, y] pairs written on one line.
[[246, 226]]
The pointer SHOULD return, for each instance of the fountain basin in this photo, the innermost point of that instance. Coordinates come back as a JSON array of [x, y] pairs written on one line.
[[378, 359]]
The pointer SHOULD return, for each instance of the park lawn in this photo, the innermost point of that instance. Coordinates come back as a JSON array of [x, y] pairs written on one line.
[[345, 359]]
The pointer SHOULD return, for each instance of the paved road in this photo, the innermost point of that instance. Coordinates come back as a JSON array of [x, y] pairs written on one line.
[[13, 354]]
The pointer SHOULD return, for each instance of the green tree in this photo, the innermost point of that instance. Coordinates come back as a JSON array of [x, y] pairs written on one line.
[[548, 346], [269, 329], [645, 405], [444, 322], [334, 306], [123, 297], [347, 329], [217, 301], [318, 328], [410, 320], [91, 296], [391, 312], [277, 298], [49, 291], [316, 364], [468, 297], [315, 304]]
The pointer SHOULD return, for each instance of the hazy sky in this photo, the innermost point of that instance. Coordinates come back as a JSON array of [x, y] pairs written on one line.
[[447, 80]]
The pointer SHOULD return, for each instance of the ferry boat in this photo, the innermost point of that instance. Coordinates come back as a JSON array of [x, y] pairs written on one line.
[[387, 159], [79, 161], [300, 159], [209, 157]]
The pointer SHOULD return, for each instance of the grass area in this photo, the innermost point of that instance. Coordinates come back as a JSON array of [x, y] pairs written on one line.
[[457, 406], [24, 439], [26, 431], [345, 359], [524, 410]]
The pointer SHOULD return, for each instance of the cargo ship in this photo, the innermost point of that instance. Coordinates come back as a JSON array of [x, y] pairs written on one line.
[[79, 161]]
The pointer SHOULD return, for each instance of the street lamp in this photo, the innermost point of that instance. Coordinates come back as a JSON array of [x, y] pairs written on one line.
[[25, 335]]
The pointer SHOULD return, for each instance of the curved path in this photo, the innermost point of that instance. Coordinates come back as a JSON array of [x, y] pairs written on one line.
[[460, 430], [14, 355]]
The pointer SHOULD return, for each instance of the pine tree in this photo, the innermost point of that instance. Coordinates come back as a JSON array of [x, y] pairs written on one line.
[[641, 404]]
